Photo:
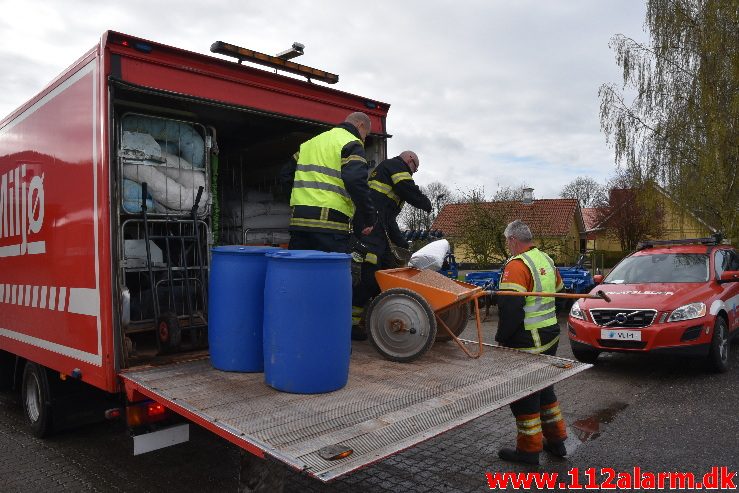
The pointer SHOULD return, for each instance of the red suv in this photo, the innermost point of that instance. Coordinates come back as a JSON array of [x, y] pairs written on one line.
[[676, 297]]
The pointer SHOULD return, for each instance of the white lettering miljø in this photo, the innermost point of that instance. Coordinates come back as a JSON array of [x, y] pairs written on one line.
[[21, 212]]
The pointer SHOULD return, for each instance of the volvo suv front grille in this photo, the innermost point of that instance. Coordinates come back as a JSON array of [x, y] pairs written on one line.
[[623, 317]]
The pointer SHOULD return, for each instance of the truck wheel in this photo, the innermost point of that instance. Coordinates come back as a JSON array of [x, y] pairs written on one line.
[[169, 332], [36, 398], [454, 318], [718, 357], [401, 324], [584, 354]]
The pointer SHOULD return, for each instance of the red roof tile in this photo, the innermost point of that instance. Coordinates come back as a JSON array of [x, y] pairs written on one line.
[[591, 216], [546, 217]]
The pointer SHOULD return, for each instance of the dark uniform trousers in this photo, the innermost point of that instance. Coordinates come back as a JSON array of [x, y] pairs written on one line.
[[325, 242], [534, 402]]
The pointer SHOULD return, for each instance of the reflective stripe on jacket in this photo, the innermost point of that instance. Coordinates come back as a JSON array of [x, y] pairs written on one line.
[[539, 311], [318, 183]]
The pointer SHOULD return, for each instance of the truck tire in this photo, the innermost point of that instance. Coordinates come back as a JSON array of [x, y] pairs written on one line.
[[36, 399], [718, 356]]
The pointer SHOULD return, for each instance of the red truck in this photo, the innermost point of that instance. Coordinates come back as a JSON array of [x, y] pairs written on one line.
[[115, 181]]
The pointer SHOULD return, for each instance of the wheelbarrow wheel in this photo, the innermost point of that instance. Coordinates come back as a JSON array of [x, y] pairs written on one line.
[[456, 319], [401, 324]]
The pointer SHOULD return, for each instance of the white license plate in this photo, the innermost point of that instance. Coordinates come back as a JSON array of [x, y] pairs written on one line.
[[620, 335]]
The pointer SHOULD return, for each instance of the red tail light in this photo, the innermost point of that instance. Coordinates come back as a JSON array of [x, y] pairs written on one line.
[[155, 409], [142, 413]]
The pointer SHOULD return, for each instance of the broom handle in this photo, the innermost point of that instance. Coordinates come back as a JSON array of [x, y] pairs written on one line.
[[599, 295]]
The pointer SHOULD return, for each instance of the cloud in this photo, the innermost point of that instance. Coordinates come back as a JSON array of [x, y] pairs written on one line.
[[488, 92]]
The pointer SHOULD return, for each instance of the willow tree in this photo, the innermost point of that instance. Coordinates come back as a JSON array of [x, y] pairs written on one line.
[[675, 120]]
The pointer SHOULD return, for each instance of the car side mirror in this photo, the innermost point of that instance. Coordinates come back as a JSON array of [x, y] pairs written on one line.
[[598, 278], [729, 276]]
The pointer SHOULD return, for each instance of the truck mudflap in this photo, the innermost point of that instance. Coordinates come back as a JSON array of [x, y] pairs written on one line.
[[386, 407]]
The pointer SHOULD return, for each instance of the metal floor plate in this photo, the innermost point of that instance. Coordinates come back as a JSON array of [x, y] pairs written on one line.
[[386, 407]]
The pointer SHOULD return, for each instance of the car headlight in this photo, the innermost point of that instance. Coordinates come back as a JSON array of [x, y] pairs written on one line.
[[576, 311], [687, 312]]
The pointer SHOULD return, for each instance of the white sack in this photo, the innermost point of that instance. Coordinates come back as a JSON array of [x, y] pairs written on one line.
[[165, 191], [141, 147], [431, 256]]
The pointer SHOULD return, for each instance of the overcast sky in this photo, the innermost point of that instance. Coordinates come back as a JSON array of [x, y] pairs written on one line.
[[489, 93]]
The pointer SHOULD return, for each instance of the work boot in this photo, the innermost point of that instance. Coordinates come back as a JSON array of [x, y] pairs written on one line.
[[514, 455], [555, 448], [358, 333]]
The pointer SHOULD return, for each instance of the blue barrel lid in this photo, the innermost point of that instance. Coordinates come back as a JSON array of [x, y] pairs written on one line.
[[308, 255], [244, 250]]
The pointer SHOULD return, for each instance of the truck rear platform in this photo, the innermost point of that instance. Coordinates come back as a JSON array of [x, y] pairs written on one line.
[[386, 407]]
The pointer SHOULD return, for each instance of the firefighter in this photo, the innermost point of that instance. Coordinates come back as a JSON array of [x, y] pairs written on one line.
[[328, 177], [530, 324], [392, 185]]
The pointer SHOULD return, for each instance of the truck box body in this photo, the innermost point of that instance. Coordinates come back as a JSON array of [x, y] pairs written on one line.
[[60, 214], [78, 298]]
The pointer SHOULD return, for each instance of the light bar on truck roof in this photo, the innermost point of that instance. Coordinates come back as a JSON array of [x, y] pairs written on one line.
[[272, 61]]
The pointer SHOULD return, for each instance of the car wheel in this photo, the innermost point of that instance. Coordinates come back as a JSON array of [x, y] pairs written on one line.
[[583, 354], [718, 357], [36, 398]]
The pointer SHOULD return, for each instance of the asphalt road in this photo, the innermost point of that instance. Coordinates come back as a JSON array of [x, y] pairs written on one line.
[[655, 413]]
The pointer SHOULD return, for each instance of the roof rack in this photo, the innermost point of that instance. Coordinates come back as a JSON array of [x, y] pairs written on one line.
[[714, 239]]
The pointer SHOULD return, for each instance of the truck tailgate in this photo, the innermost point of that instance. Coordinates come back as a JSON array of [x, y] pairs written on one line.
[[386, 407]]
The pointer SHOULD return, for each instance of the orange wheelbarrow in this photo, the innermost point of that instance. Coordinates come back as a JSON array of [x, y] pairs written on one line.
[[403, 321], [416, 308]]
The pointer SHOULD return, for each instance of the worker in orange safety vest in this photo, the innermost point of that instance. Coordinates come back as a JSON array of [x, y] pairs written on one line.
[[529, 323]]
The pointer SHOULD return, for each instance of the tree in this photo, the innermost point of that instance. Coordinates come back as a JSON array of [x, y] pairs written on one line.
[[583, 188], [681, 128], [481, 228], [412, 218], [632, 213]]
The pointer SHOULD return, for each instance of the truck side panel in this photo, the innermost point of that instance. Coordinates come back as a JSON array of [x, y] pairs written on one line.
[[54, 241]]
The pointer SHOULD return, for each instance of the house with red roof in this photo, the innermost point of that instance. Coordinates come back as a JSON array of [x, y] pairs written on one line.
[[676, 222], [556, 223]]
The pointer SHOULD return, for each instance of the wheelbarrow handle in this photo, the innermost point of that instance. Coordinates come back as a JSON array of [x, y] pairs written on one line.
[[599, 295]]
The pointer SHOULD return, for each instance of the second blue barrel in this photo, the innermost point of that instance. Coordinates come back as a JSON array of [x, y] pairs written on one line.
[[307, 321], [236, 307]]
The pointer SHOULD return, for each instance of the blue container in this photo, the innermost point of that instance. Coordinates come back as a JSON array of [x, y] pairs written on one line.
[[307, 321], [235, 307]]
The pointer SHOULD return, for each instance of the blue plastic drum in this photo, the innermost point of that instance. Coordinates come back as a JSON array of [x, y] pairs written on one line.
[[307, 321], [236, 307]]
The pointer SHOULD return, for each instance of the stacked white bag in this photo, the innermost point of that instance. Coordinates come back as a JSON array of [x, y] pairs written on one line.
[[172, 180], [431, 256]]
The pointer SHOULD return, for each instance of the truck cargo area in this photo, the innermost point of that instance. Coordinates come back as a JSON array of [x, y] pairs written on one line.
[[386, 407], [240, 154]]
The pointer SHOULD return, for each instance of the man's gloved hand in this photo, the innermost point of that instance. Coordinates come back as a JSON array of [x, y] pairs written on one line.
[[359, 252]]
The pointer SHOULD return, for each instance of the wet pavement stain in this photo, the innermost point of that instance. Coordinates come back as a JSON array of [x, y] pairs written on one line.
[[591, 427]]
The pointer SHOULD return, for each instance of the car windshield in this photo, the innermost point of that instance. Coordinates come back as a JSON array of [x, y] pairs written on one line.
[[661, 267]]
